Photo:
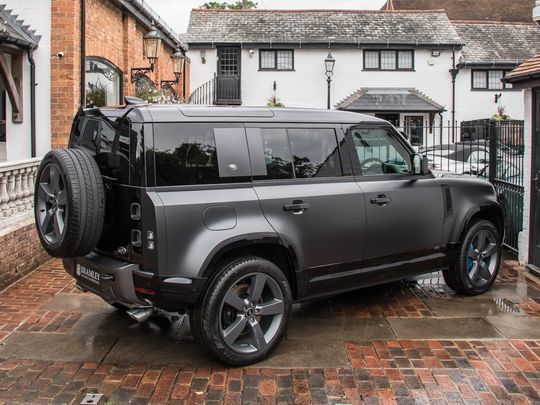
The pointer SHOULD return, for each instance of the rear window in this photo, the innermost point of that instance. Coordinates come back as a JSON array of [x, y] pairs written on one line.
[[186, 154]]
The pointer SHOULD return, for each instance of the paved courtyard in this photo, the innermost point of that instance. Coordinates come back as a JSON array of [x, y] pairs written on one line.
[[410, 342]]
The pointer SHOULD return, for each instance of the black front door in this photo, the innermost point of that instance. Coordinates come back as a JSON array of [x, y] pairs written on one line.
[[228, 76], [534, 225]]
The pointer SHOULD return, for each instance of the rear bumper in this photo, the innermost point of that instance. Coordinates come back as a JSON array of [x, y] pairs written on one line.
[[115, 278], [128, 284]]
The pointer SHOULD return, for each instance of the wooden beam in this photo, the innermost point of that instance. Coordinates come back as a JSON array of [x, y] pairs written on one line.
[[13, 84]]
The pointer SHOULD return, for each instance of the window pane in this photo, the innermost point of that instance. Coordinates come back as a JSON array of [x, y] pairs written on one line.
[[103, 83], [315, 153], [405, 60], [388, 60], [277, 155], [268, 60], [494, 79], [285, 60], [380, 153], [185, 154], [479, 79], [371, 60]]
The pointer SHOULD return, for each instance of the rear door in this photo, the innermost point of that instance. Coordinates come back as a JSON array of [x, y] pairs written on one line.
[[405, 212], [307, 192]]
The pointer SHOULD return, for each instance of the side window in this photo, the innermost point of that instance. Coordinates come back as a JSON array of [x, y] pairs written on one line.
[[277, 155], [186, 154], [379, 152], [315, 153], [296, 154]]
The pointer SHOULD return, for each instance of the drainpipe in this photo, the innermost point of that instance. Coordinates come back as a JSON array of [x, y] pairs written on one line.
[[454, 72], [32, 102], [83, 55]]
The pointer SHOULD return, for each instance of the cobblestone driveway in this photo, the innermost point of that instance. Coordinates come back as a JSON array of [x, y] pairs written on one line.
[[412, 342]]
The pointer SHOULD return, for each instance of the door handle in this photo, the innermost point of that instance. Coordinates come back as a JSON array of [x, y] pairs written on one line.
[[297, 207], [381, 200]]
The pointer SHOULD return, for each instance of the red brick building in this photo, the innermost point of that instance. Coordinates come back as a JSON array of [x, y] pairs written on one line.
[[114, 45]]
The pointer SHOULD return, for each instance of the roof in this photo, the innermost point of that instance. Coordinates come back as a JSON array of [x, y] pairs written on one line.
[[146, 15], [190, 112], [489, 10], [304, 27], [14, 31], [498, 43], [389, 99], [529, 69]]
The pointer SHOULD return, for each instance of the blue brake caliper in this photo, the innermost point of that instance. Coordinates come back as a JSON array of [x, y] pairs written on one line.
[[470, 262]]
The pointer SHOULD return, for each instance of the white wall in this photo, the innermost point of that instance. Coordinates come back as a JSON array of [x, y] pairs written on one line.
[[478, 104], [306, 86], [36, 13], [523, 240]]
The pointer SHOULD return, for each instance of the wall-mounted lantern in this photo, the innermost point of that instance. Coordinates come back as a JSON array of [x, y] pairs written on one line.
[[203, 57], [152, 47], [178, 67]]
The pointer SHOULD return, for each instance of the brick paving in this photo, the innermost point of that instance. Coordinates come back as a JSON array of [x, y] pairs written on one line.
[[482, 371]]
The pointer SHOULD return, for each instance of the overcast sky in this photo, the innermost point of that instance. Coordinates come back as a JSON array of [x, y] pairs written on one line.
[[176, 12]]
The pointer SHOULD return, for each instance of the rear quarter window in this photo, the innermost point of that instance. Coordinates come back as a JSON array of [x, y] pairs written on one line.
[[187, 154]]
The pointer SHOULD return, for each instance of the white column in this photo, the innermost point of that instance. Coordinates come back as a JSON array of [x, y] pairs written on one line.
[[4, 196]]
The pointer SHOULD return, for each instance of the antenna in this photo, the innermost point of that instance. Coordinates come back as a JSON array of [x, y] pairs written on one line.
[[389, 5]]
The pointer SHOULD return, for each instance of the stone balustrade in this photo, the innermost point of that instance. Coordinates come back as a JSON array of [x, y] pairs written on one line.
[[17, 186]]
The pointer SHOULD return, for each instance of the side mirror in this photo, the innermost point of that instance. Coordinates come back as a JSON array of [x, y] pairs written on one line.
[[419, 164]]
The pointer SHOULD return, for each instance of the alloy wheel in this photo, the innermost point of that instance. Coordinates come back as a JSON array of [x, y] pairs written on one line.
[[51, 202], [482, 257], [251, 313]]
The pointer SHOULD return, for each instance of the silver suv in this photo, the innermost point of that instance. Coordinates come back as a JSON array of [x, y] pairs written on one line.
[[235, 213]]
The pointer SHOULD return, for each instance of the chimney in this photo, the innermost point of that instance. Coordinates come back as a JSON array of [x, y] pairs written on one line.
[[244, 4], [390, 5]]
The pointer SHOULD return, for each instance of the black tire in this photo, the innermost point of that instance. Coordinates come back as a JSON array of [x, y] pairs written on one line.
[[207, 318], [76, 208], [474, 276]]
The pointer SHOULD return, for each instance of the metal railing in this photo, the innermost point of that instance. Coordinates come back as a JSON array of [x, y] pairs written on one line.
[[17, 186], [223, 90], [489, 149], [205, 94]]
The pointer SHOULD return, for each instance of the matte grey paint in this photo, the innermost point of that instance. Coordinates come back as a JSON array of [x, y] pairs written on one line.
[[338, 241]]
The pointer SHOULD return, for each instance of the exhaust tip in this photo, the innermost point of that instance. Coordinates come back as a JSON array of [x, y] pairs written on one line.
[[140, 314]]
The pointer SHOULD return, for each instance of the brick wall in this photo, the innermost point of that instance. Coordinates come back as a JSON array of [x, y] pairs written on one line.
[[20, 252], [112, 34]]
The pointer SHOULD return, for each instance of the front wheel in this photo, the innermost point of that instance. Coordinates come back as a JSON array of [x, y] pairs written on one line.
[[244, 314], [478, 261]]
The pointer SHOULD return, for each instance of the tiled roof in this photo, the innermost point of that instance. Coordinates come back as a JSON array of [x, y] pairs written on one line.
[[14, 31], [527, 70], [489, 10], [389, 99], [499, 43], [321, 26]]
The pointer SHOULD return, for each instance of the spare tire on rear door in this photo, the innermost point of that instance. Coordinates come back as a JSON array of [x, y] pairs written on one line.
[[69, 203]]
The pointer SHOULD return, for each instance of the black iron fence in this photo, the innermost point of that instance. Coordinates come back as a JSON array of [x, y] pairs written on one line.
[[224, 90], [205, 94], [485, 148]]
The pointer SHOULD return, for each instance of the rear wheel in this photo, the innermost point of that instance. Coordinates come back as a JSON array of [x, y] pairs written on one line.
[[244, 314], [477, 265]]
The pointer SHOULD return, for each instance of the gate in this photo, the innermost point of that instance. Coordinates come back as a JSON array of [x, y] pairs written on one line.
[[506, 174], [485, 148]]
